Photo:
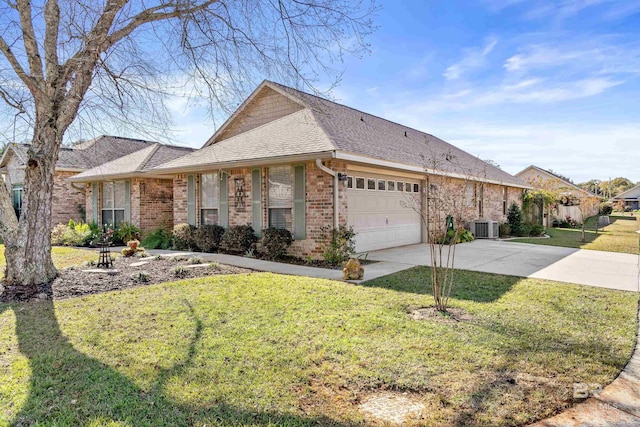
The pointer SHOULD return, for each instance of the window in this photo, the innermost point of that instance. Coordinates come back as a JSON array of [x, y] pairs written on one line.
[[480, 200], [209, 198], [400, 186], [371, 184], [407, 187], [17, 199], [349, 182], [504, 201], [470, 194], [113, 202], [382, 184], [360, 183], [280, 198], [391, 185], [416, 188]]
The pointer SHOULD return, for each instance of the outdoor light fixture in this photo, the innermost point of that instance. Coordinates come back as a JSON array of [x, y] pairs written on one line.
[[343, 177]]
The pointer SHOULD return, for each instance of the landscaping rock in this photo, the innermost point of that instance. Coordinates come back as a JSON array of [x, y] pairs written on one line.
[[138, 264]]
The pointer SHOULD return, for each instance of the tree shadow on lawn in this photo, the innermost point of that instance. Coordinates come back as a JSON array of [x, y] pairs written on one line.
[[69, 388], [468, 285]]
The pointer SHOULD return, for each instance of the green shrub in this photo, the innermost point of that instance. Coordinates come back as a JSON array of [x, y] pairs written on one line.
[[606, 208], [275, 242], [183, 237], [71, 234], [238, 239], [525, 230], [126, 232], [338, 244], [196, 260], [141, 276], [180, 272], [514, 219], [208, 237], [536, 230], [160, 237], [505, 229]]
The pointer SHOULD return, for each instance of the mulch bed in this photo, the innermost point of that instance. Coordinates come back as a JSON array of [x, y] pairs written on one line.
[[73, 281]]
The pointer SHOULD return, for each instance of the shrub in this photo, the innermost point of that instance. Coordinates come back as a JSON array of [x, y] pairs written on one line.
[[339, 243], [180, 271], [196, 260], [183, 237], [71, 234], [132, 248], [160, 237], [126, 232], [208, 237], [525, 230], [238, 239], [463, 237], [536, 230], [514, 219], [141, 276], [275, 242], [606, 208], [505, 229]]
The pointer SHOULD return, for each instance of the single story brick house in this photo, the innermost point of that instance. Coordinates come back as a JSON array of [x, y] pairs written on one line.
[[68, 198], [127, 189], [568, 203], [292, 160], [631, 198]]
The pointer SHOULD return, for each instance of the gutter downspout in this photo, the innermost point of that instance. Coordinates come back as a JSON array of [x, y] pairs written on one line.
[[334, 174], [77, 188]]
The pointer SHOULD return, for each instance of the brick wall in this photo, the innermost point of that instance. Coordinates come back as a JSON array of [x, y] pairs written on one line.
[[179, 199], [267, 106], [66, 200], [151, 203]]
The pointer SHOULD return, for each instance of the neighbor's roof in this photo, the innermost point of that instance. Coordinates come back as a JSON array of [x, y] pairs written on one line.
[[87, 154], [557, 177], [328, 127], [134, 163], [632, 193]]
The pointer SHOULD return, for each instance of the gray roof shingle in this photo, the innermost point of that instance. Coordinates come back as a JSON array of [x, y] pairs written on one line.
[[328, 126]]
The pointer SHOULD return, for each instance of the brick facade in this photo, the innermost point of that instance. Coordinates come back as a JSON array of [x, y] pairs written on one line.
[[319, 201], [68, 202]]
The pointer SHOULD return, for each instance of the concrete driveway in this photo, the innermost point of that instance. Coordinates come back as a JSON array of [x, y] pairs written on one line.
[[585, 267]]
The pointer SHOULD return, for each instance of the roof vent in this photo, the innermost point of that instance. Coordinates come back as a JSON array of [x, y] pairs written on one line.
[[405, 133], [361, 119]]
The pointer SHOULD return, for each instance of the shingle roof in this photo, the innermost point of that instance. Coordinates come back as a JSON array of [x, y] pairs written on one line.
[[328, 126], [567, 184], [632, 193], [297, 133], [90, 153], [139, 161]]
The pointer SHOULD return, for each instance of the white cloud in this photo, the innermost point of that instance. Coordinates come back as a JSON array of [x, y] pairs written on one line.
[[472, 59]]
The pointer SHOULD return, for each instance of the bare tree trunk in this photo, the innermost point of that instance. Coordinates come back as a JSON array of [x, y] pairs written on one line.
[[28, 246]]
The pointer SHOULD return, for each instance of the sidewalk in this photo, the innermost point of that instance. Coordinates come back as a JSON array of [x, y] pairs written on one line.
[[371, 271]]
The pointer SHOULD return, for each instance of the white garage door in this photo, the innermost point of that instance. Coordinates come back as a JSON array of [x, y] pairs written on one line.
[[377, 210]]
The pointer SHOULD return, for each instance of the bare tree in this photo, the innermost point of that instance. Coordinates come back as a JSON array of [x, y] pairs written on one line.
[[69, 62], [587, 205], [449, 196]]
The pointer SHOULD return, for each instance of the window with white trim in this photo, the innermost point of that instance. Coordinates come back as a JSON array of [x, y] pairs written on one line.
[[504, 201], [16, 193], [407, 187], [391, 185], [349, 182], [209, 198], [416, 188], [400, 186], [382, 185], [113, 202], [359, 183], [371, 184], [280, 199]]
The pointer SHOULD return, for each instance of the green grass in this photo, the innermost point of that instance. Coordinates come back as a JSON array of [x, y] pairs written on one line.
[[265, 349], [619, 236], [62, 257]]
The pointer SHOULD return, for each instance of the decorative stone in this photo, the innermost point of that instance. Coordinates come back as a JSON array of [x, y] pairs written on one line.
[[101, 271], [138, 264], [196, 265], [43, 296], [353, 271]]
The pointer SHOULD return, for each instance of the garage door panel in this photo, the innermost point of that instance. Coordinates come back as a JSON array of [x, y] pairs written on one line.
[[381, 218]]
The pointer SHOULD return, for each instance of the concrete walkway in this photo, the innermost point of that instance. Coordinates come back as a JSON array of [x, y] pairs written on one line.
[[585, 267], [371, 271]]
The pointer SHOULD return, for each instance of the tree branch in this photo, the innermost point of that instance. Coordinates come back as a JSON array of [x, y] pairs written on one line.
[[30, 42]]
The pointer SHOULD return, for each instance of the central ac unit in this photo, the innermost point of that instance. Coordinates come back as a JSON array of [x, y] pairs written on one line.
[[485, 229]]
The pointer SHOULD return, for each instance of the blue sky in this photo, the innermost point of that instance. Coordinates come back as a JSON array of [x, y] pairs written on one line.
[[555, 84]]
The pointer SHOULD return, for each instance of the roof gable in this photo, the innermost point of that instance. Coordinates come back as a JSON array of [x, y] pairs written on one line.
[[533, 173], [632, 193], [264, 105]]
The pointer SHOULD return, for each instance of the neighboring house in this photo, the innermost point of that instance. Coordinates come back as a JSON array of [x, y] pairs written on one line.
[[68, 199], [288, 159], [127, 188], [568, 203], [630, 198]]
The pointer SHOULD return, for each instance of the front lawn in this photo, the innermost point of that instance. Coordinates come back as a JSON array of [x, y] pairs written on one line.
[[619, 236], [265, 349], [62, 257]]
